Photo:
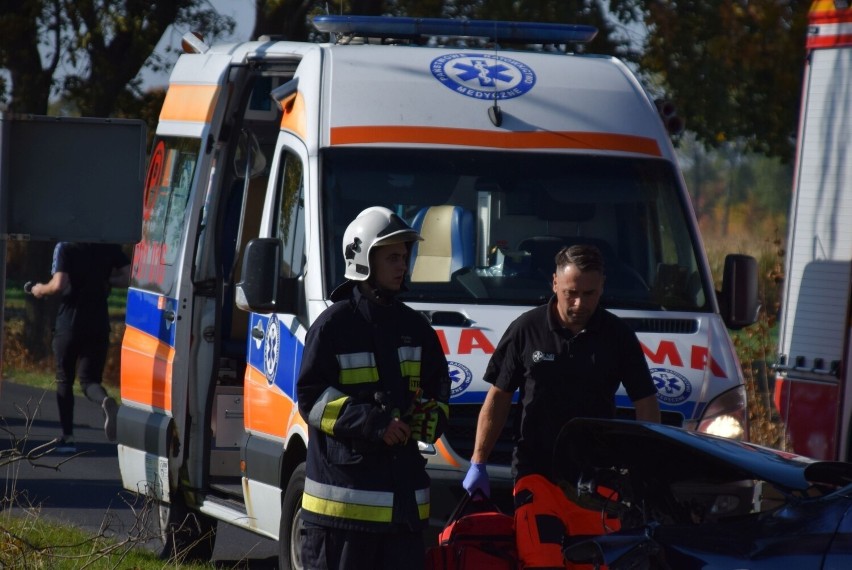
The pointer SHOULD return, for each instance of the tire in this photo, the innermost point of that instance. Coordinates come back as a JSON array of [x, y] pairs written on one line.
[[289, 531], [180, 534]]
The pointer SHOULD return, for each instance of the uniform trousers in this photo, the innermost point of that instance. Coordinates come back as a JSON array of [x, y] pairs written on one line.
[[325, 548]]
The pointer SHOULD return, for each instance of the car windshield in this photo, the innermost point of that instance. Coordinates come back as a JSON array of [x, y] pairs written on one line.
[[492, 223]]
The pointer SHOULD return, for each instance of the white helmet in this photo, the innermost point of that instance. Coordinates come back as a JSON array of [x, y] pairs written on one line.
[[373, 227]]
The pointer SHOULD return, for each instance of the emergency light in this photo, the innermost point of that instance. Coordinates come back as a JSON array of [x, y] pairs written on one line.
[[408, 28]]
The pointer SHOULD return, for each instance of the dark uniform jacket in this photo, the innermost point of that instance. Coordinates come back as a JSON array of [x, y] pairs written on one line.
[[363, 363], [562, 376]]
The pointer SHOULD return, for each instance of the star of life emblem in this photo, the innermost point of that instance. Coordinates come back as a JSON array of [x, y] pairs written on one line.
[[483, 76], [672, 387], [271, 348], [460, 377]]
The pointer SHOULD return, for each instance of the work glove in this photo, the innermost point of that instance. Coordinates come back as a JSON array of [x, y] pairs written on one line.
[[378, 416], [424, 422], [477, 480]]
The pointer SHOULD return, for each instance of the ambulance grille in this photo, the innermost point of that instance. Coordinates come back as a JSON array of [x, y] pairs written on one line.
[[671, 326]]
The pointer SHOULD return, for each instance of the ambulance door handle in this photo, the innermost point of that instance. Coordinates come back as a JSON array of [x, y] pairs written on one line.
[[257, 332], [170, 316]]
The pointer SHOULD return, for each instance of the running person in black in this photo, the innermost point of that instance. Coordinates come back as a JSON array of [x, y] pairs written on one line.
[[567, 359], [83, 273]]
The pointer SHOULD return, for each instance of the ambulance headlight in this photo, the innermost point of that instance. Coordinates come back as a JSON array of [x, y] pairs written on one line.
[[727, 415]]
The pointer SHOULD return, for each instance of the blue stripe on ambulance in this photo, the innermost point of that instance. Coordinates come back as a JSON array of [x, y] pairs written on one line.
[[144, 314]]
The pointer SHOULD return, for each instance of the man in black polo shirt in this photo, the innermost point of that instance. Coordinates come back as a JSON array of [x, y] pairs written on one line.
[[568, 359]]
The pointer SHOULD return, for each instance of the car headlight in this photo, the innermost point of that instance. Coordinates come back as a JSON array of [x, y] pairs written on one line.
[[727, 415]]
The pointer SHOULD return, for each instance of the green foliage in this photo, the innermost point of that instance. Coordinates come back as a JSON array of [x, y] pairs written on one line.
[[733, 68], [104, 43], [757, 345], [736, 193]]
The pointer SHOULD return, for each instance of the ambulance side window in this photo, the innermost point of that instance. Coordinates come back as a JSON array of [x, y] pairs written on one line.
[[167, 188], [290, 225], [184, 169]]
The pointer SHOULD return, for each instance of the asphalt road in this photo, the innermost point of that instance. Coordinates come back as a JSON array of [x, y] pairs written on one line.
[[86, 490]]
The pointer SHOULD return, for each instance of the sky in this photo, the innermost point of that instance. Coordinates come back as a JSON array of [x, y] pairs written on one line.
[[242, 11]]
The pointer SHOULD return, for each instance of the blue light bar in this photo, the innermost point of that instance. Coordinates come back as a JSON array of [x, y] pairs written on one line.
[[401, 28]]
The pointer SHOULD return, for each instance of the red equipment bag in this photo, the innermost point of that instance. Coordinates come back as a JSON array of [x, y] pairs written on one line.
[[477, 537]]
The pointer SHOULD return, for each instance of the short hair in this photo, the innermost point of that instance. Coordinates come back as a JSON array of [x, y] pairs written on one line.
[[584, 257]]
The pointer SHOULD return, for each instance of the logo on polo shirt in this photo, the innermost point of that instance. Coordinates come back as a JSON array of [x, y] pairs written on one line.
[[539, 356]]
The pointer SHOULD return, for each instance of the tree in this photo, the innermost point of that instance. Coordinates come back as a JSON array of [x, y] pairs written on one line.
[[587, 12], [289, 19], [733, 68], [104, 44]]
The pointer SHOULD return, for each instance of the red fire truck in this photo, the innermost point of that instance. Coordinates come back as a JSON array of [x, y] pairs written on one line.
[[813, 388]]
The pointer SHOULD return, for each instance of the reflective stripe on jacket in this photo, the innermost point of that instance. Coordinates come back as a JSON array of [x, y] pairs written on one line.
[[341, 502]]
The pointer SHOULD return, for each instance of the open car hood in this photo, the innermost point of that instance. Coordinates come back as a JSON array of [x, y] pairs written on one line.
[[675, 454]]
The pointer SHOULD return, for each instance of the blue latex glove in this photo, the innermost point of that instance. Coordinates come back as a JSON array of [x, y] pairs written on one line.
[[477, 480]]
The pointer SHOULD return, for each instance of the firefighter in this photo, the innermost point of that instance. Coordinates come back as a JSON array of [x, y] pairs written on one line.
[[567, 359], [374, 381]]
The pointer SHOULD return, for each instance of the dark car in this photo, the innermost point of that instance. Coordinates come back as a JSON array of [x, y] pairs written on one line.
[[686, 500]]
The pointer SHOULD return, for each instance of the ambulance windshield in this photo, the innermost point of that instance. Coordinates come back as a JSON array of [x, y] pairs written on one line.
[[492, 223]]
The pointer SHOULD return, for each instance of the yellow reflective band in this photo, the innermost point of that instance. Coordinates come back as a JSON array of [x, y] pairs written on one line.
[[359, 376], [342, 510], [410, 368], [358, 368], [422, 498], [330, 414], [348, 495], [357, 504], [326, 409], [409, 360]]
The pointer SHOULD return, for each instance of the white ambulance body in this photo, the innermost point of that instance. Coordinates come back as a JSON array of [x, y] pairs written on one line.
[[813, 388], [498, 158]]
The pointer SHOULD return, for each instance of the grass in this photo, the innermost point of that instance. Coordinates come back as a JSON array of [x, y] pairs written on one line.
[[28, 541], [31, 541]]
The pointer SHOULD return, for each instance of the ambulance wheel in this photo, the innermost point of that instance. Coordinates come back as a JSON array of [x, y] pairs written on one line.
[[182, 535], [289, 532]]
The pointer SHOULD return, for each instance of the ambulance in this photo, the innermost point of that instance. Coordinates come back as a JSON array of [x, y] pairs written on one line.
[[813, 385], [499, 157]]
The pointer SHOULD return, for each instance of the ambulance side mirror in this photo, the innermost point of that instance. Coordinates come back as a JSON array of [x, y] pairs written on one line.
[[261, 289], [738, 300]]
